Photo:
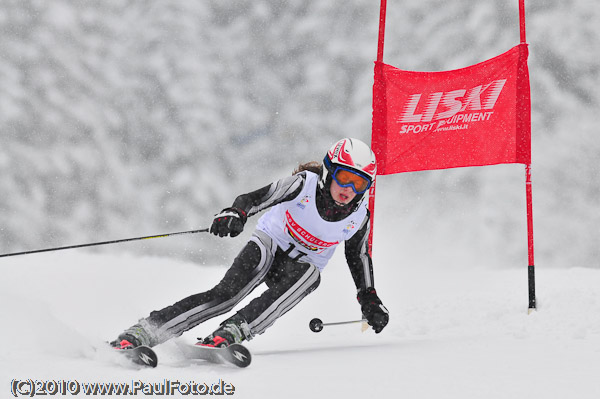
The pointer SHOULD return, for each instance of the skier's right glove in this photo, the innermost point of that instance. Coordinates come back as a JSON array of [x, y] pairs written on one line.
[[372, 309], [230, 221]]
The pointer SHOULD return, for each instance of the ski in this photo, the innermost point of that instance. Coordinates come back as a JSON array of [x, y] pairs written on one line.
[[235, 354], [142, 355]]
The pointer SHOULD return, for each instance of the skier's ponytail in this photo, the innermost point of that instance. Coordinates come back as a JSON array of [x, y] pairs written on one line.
[[312, 166]]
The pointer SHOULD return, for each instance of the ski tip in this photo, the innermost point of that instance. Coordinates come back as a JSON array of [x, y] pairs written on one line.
[[145, 356], [141, 355], [240, 355]]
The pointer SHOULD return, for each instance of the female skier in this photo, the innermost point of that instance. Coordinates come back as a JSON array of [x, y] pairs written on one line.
[[312, 211]]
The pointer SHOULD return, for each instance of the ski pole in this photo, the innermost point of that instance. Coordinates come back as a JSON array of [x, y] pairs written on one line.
[[104, 243], [316, 325]]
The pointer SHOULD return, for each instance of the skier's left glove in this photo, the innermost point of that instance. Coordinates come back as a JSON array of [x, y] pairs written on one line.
[[230, 221], [372, 309]]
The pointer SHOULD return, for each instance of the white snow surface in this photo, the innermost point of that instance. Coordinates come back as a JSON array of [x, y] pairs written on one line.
[[454, 332]]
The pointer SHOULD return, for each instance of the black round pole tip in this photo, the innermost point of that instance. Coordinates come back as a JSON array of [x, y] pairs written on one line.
[[316, 325]]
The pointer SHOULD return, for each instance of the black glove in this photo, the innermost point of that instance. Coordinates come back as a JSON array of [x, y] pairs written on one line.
[[230, 221], [372, 309]]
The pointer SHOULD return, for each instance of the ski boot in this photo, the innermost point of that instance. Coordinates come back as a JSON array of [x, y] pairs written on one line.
[[135, 343], [133, 337], [232, 331]]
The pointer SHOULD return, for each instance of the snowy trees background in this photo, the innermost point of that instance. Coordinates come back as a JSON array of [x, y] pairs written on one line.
[[128, 118]]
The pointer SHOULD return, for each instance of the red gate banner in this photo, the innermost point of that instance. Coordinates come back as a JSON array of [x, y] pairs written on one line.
[[474, 116]]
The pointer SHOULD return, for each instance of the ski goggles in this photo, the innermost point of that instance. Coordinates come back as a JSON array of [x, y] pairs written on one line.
[[347, 177]]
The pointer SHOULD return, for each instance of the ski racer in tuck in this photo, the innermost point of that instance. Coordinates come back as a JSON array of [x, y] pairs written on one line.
[[311, 212]]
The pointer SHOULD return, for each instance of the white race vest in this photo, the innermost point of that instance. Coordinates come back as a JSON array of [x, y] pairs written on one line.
[[298, 222]]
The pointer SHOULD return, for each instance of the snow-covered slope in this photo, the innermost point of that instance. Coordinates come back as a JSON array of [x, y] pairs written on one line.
[[454, 332]]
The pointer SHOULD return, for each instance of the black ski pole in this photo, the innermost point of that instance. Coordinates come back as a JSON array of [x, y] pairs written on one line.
[[316, 325], [37, 251]]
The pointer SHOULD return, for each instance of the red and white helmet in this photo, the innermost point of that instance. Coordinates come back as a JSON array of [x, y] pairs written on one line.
[[350, 155]]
